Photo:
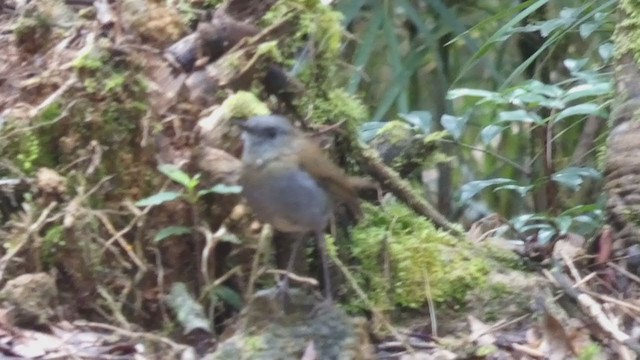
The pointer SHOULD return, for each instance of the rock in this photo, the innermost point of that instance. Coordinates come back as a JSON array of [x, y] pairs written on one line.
[[32, 297], [266, 331]]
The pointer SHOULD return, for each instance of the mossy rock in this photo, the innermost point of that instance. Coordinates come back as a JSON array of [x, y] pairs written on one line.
[[403, 260], [268, 330]]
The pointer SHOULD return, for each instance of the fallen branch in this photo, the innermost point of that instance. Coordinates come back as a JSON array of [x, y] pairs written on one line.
[[390, 180], [593, 309]]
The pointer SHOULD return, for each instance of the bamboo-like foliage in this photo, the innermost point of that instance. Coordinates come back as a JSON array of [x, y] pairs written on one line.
[[520, 86]]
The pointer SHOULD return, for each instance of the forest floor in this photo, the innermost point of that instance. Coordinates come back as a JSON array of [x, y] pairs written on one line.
[[49, 297]]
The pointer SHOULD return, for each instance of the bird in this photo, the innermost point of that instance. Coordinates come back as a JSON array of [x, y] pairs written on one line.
[[289, 183]]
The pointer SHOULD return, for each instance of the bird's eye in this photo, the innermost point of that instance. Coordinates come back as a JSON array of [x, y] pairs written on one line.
[[271, 132]]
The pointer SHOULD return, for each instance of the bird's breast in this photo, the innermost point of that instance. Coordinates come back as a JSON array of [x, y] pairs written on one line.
[[286, 197]]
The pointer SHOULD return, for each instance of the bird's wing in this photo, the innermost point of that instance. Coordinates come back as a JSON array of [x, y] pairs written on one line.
[[341, 188]]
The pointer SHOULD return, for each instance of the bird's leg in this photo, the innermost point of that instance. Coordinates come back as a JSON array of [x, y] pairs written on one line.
[[284, 285], [322, 245]]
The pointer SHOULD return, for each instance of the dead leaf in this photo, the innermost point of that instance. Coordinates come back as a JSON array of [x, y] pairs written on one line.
[[310, 352], [480, 332]]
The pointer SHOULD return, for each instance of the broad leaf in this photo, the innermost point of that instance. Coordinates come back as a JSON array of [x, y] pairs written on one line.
[[471, 189], [586, 90], [419, 119], [174, 173], [520, 189], [460, 92], [222, 189], [159, 198], [580, 109], [606, 51], [171, 231], [453, 124], [369, 130], [489, 132], [229, 296], [519, 116], [572, 177]]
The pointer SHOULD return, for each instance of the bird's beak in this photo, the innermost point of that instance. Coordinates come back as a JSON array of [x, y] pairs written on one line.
[[243, 125]]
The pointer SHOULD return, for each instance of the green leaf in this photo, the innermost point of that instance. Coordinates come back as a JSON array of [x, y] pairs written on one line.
[[580, 109], [587, 90], [546, 234], [419, 119], [557, 35], [583, 209], [394, 56], [606, 51], [563, 223], [363, 52], [222, 189], [520, 221], [229, 296], [369, 130], [574, 65], [520, 189], [519, 116], [485, 94], [489, 132], [453, 124], [588, 28], [471, 189], [174, 173], [521, 12], [349, 9], [171, 231], [572, 177], [158, 198], [538, 87], [231, 238], [413, 61]]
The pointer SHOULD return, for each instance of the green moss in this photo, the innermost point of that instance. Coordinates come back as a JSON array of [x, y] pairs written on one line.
[[244, 104], [333, 106], [254, 343], [89, 61], [34, 144], [212, 4], [591, 352], [271, 50], [629, 25], [323, 101], [32, 32], [52, 241], [418, 260]]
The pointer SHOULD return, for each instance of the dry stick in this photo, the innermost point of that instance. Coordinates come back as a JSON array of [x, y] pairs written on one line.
[[432, 308], [265, 234], [133, 334], [401, 188], [363, 297], [293, 277], [594, 309], [218, 282], [624, 272], [118, 235], [114, 306], [33, 228]]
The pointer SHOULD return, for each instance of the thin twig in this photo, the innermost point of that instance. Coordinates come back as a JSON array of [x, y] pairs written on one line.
[[265, 235], [594, 309], [365, 299], [218, 282], [294, 277], [133, 334], [33, 228], [118, 236]]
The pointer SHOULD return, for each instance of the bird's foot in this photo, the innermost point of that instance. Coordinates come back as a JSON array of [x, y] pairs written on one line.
[[321, 307], [283, 293]]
